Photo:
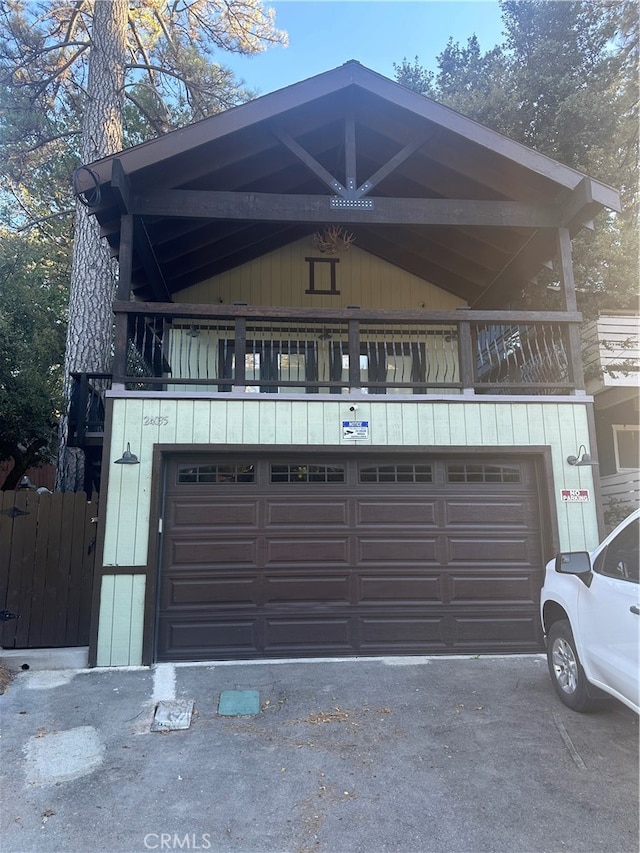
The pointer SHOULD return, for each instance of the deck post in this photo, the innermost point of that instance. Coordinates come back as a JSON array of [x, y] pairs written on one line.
[[569, 303]]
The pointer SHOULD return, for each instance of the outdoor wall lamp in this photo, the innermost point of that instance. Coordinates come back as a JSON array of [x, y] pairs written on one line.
[[128, 458], [578, 460]]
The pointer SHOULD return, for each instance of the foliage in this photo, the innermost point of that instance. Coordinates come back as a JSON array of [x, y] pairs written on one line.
[[565, 83], [32, 336], [172, 77], [70, 94]]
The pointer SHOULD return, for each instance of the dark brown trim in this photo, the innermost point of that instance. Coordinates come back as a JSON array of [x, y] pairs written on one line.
[[100, 537], [123, 570], [185, 310], [125, 257], [309, 161], [154, 552], [338, 79], [277, 207], [579, 208], [120, 184], [547, 496]]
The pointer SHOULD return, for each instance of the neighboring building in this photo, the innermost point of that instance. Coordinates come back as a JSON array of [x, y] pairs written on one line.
[[350, 438], [612, 370]]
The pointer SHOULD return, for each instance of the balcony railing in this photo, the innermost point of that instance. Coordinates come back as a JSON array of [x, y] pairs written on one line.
[[87, 409], [247, 349]]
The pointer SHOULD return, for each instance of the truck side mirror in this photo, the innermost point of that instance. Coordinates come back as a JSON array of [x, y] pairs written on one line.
[[575, 563]]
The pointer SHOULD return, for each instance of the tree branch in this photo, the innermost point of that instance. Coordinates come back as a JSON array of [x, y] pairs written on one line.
[[41, 219], [153, 122]]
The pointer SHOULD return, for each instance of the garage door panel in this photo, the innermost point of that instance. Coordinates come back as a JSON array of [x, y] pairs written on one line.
[[489, 550], [476, 587], [307, 632], [402, 513], [400, 631], [239, 552], [179, 592], [492, 631], [213, 514], [304, 550], [399, 587], [389, 550], [485, 509], [180, 640], [307, 513], [321, 589]]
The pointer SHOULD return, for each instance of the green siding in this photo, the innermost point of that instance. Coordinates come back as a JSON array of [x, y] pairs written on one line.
[[144, 422], [121, 620]]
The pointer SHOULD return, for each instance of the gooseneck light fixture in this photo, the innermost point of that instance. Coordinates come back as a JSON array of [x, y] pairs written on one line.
[[128, 458], [581, 458]]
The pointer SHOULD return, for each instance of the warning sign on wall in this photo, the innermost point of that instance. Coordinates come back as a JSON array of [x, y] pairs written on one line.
[[575, 495], [355, 430]]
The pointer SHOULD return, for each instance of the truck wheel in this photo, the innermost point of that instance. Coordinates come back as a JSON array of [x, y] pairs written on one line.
[[566, 671]]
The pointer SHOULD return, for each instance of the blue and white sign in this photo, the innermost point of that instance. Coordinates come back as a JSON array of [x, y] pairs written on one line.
[[355, 430]]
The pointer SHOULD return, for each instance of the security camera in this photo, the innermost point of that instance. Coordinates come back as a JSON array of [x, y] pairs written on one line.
[[353, 408]]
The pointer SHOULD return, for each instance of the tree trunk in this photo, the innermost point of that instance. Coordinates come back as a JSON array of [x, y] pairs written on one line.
[[93, 271]]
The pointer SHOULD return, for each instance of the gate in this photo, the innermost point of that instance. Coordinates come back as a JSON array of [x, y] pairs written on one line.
[[47, 555]]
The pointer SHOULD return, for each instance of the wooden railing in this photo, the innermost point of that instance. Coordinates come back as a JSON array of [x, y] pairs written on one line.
[[241, 348], [87, 409]]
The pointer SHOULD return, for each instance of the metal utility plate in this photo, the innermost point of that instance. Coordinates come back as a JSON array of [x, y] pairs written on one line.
[[239, 703], [172, 715]]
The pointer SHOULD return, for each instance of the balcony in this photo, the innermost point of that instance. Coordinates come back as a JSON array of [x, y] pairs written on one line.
[[267, 350]]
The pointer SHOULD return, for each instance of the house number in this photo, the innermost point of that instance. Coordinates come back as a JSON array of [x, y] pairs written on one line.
[[160, 420]]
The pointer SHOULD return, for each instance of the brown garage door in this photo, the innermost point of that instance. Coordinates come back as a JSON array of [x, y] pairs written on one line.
[[306, 556]]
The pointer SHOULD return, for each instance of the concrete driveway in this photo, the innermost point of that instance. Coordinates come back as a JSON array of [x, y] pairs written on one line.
[[371, 755]]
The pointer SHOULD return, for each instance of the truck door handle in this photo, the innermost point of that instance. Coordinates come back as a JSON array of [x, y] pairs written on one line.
[[635, 609]]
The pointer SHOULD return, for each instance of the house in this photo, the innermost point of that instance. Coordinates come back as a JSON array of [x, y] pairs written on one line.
[[612, 364], [349, 437]]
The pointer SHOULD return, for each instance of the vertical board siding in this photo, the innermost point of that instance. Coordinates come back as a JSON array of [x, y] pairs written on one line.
[[561, 426], [145, 422], [362, 279], [121, 620], [47, 555]]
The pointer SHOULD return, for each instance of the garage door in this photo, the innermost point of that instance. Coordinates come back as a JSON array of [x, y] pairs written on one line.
[[308, 556]]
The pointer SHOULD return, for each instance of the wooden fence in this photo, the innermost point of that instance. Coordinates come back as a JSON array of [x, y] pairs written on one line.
[[47, 555]]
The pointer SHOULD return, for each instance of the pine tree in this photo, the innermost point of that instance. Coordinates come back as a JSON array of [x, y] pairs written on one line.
[[81, 79]]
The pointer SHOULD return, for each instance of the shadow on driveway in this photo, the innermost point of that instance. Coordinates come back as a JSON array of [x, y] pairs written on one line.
[[451, 755]]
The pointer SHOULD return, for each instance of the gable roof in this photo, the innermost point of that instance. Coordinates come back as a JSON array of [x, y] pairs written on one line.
[[351, 126]]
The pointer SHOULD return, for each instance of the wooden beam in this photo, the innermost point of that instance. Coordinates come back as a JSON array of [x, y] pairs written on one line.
[[579, 208], [201, 311], [275, 207], [570, 303], [310, 162], [350, 153], [136, 239], [565, 269], [120, 183], [125, 258]]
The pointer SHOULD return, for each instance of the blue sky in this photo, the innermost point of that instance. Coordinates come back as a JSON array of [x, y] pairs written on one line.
[[326, 33]]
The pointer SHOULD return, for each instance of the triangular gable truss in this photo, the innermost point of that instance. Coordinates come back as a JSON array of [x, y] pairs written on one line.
[[422, 186]]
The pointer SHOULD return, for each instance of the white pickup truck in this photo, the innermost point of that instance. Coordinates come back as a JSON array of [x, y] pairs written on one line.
[[590, 609]]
